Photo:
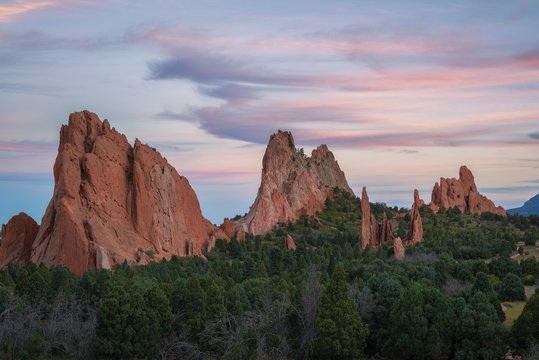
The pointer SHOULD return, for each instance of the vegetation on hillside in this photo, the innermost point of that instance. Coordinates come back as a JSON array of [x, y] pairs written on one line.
[[255, 299]]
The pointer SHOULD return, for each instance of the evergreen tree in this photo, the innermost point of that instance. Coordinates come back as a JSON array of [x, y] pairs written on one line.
[[341, 333], [512, 289], [525, 330], [421, 322], [479, 334]]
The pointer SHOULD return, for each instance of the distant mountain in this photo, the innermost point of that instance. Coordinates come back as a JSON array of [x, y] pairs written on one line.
[[530, 207]]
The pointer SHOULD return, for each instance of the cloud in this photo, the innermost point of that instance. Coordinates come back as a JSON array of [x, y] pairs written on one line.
[[534, 136], [28, 146], [18, 7]]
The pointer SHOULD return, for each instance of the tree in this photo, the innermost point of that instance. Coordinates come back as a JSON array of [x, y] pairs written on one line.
[[421, 322], [479, 334], [512, 289], [123, 324], [482, 284], [341, 333], [525, 330], [385, 292]]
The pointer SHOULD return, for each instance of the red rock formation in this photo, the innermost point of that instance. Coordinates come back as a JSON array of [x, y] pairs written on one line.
[[292, 184], [229, 228], [398, 248], [463, 194], [289, 243], [373, 233], [111, 198], [17, 238], [416, 225]]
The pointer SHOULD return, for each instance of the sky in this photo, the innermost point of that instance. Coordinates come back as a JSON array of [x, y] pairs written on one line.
[[402, 92]]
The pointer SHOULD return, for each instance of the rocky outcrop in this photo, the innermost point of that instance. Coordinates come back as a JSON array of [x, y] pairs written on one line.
[[416, 225], [462, 193], [111, 199], [373, 233], [229, 228], [289, 243], [292, 184], [17, 238], [398, 248]]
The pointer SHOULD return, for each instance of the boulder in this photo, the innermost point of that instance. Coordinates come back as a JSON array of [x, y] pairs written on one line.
[[289, 243], [398, 248]]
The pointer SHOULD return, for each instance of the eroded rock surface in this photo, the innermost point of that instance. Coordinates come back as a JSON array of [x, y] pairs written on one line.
[[17, 238], [373, 233], [111, 199], [462, 192], [292, 184], [416, 224]]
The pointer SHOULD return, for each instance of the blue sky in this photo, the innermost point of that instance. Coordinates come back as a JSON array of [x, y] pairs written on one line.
[[403, 92]]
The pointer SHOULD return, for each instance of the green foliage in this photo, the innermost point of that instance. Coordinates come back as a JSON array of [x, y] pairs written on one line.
[[341, 333], [479, 334], [512, 289], [421, 322], [525, 330]]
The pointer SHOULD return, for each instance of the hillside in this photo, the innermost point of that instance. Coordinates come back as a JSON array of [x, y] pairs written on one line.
[[530, 207]]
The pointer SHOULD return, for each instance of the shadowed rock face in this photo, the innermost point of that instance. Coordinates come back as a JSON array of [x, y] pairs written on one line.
[[462, 193], [111, 199], [292, 184], [17, 238], [373, 233], [416, 225]]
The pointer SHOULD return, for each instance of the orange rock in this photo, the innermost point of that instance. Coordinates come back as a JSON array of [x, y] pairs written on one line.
[[111, 198], [398, 248], [289, 243], [373, 233], [292, 184], [463, 194], [416, 225], [17, 238]]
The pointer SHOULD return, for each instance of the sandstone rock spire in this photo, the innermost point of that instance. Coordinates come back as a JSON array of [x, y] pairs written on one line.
[[292, 184], [416, 225], [373, 233]]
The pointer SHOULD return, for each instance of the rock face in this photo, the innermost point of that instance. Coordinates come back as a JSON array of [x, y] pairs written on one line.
[[398, 248], [289, 243], [373, 233], [463, 194], [292, 184], [416, 225], [111, 199], [17, 238]]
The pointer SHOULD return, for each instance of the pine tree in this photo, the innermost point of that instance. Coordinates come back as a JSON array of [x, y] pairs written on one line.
[[341, 333]]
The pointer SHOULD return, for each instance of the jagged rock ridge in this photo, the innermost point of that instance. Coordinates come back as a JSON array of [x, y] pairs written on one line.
[[462, 192], [292, 184], [113, 201]]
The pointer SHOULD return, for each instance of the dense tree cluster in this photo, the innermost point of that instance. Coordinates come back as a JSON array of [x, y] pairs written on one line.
[[255, 299]]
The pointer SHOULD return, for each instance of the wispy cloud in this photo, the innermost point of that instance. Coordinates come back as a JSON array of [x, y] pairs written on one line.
[[18, 7], [28, 146]]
